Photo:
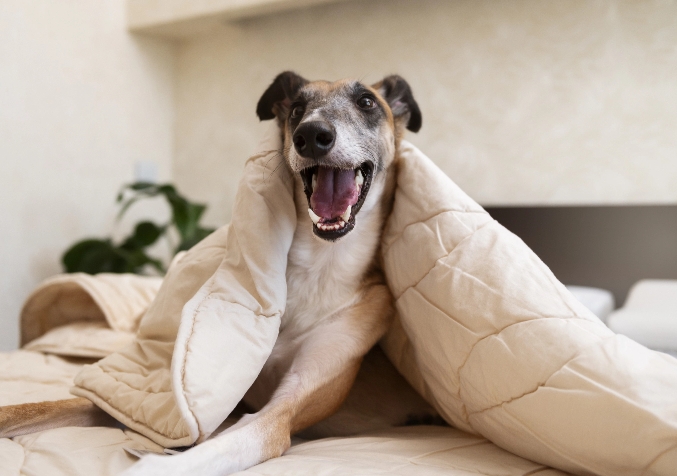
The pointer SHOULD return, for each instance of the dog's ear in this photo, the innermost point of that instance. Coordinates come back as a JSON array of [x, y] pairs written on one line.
[[279, 95], [396, 91]]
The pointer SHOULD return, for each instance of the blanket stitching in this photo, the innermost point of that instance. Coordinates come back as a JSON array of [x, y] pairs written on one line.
[[263, 153], [646, 468], [481, 441], [464, 409], [498, 331], [210, 288], [516, 302], [537, 470], [540, 385], [558, 450], [114, 375], [211, 297], [190, 335], [554, 448], [401, 191], [128, 415], [439, 260], [449, 210]]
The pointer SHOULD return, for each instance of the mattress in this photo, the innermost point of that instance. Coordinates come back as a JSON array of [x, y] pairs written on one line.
[[484, 332], [27, 376]]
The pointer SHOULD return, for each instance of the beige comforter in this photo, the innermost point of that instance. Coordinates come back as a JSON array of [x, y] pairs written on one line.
[[30, 376], [485, 332]]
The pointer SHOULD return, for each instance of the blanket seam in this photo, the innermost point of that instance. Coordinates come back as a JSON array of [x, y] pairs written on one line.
[[450, 210], [482, 441], [537, 470], [210, 297], [646, 468], [438, 260], [498, 331], [555, 449], [540, 385], [110, 403], [185, 356]]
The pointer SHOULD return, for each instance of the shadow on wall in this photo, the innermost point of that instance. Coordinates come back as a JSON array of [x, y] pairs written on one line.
[[610, 247]]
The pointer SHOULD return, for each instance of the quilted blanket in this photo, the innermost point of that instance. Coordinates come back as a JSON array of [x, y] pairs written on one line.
[[485, 333]]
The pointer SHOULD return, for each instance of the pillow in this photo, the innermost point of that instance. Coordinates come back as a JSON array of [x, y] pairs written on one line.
[[599, 301], [649, 315]]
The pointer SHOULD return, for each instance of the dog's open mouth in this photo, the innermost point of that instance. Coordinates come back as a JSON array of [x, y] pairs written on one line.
[[335, 196]]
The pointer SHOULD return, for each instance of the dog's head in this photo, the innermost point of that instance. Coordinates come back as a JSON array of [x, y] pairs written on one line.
[[340, 138]]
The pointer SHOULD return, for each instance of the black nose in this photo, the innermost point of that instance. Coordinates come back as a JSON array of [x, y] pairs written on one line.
[[314, 139]]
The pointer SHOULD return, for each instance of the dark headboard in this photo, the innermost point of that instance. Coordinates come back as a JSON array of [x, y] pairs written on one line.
[[609, 247]]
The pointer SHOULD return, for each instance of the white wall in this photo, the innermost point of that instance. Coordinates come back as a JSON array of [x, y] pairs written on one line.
[[80, 102], [524, 102]]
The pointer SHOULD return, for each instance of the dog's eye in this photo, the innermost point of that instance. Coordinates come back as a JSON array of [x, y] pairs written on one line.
[[297, 111], [365, 102]]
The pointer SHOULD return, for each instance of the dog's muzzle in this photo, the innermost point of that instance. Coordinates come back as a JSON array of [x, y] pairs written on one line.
[[335, 196]]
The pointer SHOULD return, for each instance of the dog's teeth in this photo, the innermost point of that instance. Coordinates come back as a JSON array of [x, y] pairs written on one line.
[[346, 214], [313, 216], [314, 181], [359, 178]]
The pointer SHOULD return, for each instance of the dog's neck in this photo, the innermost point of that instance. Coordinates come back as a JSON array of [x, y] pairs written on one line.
[[324, 277]]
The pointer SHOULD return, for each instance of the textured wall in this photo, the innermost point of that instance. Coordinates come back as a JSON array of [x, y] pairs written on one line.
[[524, 102], [80, 102]]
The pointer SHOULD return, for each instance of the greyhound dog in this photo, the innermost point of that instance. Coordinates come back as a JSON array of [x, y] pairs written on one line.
[[340, 141]]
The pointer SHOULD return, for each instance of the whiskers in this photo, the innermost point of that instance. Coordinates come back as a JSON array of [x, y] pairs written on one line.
[[358, 154], [371, 155]]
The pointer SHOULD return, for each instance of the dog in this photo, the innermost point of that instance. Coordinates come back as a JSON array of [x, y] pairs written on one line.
[[340, 143]]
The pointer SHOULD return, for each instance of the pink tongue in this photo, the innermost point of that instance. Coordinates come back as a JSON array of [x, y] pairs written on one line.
[[334, 191]]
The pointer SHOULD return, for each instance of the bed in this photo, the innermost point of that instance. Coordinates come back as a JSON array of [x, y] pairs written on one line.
[[513, 356], [45, 368]]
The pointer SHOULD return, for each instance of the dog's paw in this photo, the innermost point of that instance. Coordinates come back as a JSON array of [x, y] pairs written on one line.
[[155, 465], [193, 462]]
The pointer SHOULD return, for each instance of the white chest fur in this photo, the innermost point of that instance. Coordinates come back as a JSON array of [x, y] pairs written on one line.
[[323, 277]]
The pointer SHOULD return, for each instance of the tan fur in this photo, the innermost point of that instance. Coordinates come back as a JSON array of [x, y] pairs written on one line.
[[28, 418], [326, 362]]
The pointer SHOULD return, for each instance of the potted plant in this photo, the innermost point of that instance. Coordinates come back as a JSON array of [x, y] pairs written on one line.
[[130, 255]]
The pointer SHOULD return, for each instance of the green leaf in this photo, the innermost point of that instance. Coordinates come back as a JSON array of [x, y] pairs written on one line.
[[142, 186], [96, 256], [146, 233], [135, 259], [141, 190], [198, 235], [93, 256], [185, 215]]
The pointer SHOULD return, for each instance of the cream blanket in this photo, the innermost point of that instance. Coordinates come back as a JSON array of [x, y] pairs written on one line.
[[485, 332]]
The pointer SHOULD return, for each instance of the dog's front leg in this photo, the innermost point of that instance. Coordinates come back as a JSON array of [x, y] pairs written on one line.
[[318, 381]]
